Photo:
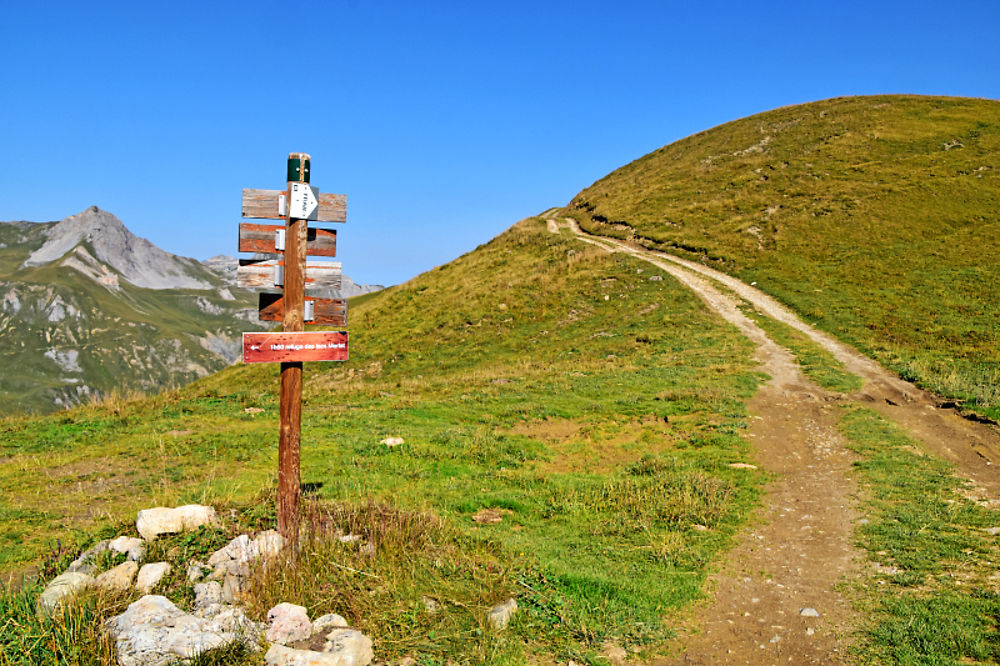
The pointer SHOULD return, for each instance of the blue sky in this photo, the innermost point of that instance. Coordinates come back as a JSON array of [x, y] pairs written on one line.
[[443, 122]]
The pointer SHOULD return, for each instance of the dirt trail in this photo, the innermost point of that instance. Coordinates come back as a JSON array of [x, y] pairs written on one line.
[[788, 565]]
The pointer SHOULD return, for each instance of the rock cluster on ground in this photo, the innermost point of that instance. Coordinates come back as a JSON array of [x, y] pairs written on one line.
[[153, 631]]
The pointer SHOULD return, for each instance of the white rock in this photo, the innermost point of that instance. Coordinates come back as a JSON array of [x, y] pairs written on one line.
[[232, 587], [231, 551], [232, 619], [268, 543], [243, 549], [352, 646], [195, 572], [392, 441], [328, 622], [119, 578], [152, 523], [288, 623], [62, 588], [131, 546], [85, 563], [279, 655], [207, 594], [150, 576], [154, 632], [499, 616], [809, 612]]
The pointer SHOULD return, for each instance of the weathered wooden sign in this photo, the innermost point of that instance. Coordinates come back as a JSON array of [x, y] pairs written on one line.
[[326, 311], [275, 205], [295, 205], [295, 347], [270, 239], [270, 273]]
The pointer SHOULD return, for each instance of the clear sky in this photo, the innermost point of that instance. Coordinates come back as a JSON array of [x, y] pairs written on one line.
[[443, 122]]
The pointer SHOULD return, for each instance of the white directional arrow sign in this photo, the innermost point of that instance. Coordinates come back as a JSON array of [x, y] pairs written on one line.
[[305, 202]]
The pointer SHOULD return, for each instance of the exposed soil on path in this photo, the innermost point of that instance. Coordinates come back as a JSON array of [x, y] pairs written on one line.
[[774, 599]]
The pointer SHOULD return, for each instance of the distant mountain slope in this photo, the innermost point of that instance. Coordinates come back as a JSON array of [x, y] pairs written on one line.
[[132, 258], [878, 218], [87, 308]]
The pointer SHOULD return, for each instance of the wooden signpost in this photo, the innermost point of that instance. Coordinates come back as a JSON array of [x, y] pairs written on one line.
[[290, 273]]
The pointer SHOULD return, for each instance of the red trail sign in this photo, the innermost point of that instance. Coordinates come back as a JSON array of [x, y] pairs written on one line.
[[294, 347]]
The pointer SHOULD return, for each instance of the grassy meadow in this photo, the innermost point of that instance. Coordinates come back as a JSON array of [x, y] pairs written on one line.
[[594, 410], [931, 595], [876, 218]]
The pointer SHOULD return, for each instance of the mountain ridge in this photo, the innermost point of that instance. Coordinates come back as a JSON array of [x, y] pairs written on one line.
[[135, 259], [88, 309]]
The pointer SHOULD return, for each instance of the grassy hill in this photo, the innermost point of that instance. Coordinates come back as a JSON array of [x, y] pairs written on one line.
[[596, 408], [585, 399], [876, 218]]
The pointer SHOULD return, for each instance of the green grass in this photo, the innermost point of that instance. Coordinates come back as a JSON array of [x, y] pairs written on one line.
[[933, 597], [853, 211], [535, 375], [817, 363]]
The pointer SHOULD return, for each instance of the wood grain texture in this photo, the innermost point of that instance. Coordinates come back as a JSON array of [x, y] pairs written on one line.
[[264, 204], [259, 274], [295, 347], [260, 238], [327, 311]]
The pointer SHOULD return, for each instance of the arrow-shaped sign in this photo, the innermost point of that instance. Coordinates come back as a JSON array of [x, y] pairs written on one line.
[[294, 347], [267, 204], [305, 202]]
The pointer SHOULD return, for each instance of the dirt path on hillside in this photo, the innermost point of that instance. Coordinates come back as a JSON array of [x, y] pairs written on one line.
[[774, 599]]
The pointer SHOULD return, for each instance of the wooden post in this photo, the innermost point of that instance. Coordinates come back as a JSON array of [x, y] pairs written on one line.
[[290, 439]]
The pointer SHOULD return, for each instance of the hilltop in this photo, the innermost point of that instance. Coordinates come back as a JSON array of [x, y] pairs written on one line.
[[876, 218]]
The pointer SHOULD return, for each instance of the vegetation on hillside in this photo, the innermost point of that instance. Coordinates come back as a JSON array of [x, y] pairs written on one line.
[[931, 596], [67, 339], [876, 218], [595, 410]]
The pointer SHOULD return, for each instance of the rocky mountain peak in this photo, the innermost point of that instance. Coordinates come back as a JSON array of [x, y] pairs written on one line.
[[135, 259]]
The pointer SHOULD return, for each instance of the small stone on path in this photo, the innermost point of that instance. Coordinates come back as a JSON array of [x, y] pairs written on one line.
[[809, 612]]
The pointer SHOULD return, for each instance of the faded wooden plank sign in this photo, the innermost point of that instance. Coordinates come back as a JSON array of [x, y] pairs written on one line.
[[270, 273], [295, 347], [265, 238], [274, 205], [328, 311]]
